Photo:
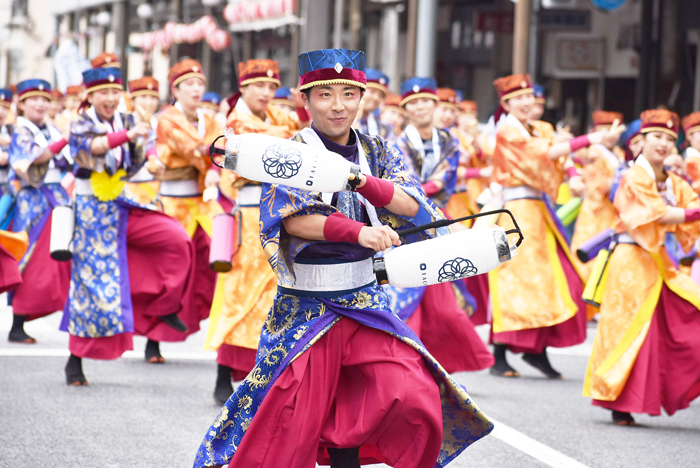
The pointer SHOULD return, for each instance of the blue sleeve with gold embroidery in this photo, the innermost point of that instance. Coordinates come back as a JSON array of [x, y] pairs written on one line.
[[82, 132], [24, 150], [279, 202], [445, 173]]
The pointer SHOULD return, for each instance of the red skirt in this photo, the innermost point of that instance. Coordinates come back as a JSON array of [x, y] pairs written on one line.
[[447, 332], [161, 274], [667, 370], [160, 254], [45, 282], [106, 348], [568, 333], [240, 360], [355, 387], [478, 286], [9, 271]]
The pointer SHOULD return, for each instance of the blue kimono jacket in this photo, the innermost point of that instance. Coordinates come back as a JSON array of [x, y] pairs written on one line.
[[296, 322]]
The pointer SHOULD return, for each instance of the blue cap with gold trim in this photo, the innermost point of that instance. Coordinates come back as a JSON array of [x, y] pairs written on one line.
[[332, 66], [414, 88], [5, 97], [34, 87], [95, 79]]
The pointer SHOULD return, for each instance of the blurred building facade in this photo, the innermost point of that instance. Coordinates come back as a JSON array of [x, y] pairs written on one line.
[[642, 54]]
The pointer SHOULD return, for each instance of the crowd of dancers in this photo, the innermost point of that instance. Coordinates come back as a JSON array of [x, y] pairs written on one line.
[[330, 366]]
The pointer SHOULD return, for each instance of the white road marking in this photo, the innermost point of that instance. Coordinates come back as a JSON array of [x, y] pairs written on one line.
[[62, 352], [533, 448]]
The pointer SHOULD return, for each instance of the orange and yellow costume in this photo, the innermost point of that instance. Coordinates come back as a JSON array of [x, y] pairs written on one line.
[[644, 294], [245, 295], [539, 288]]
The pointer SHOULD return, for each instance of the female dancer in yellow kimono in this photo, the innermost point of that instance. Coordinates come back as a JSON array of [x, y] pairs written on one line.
[[646, 354], [183, 137], [597, 213], [535, 298], [242, 304]]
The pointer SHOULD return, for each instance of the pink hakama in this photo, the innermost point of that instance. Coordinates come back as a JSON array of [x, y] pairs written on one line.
[[355, 387], [666, 373], [447, 332], [45, 285], [568, 333]]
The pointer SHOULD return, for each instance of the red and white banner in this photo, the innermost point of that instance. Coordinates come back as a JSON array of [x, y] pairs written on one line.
[[205, 28], [256, 10]]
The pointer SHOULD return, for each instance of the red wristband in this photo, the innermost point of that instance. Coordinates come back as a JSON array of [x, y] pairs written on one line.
[[115, 139], [578, 161], [572, 172], [379, 192], [340, 228], [303, 114], [57, 146], [472, 173], [692, 214], [579, 142], [430, 188], [152, 153]]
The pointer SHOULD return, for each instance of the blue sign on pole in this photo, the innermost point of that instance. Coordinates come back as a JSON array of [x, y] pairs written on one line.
[[609, 5]]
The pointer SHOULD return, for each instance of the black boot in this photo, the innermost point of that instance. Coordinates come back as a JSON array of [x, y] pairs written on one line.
[[345, 458], [224, 388], [174, 322], [153, 355], [74, 371], [541, 362], [501, 368], [17, 333], [622, 419]]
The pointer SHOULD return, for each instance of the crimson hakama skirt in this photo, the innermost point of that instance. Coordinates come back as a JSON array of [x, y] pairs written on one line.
[[666, 373], [355, 387]]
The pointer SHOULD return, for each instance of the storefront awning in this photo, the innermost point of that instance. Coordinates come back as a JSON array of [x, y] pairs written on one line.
[[67, 6]]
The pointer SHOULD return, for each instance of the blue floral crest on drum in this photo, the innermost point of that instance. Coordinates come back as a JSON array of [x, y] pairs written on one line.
[[282, 162], [456, 269]]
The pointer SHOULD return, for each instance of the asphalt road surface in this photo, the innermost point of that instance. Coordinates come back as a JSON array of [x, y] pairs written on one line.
[[135, 414]]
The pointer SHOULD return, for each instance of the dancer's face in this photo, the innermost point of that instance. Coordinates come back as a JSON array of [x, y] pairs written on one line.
[[520, 106], [333, 109]]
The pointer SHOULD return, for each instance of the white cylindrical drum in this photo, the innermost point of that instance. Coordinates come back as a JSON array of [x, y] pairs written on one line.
[[444, 259], [62, 228], [263, 158]]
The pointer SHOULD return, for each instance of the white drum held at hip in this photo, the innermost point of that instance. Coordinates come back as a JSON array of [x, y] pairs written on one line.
[[268, 159], [62, 228], [444, 259]]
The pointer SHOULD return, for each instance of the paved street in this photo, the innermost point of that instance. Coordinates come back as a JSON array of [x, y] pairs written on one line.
[[139, 415]]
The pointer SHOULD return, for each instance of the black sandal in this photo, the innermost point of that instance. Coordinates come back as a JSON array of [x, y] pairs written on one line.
[[501, 368], [622, 419], [345, 457], [17, 333], [224, 388], [174, 322], [152, 353], [74, 372], [541, 362]]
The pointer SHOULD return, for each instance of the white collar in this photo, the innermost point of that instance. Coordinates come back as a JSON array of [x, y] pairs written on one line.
[[312, 139], [513, 121], [644, 164]]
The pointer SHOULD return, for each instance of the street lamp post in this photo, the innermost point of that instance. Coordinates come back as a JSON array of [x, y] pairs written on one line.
[[521, 36]]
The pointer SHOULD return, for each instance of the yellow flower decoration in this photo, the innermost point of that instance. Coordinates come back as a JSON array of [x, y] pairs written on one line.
[[107, 188]]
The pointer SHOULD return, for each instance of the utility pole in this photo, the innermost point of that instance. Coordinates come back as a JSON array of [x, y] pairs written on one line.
[[411, 46], [521, 36], [426, 38], [355, 23], [121, 28]]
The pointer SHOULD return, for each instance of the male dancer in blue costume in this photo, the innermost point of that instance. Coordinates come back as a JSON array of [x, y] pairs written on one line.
[[338, 376]]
